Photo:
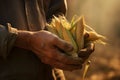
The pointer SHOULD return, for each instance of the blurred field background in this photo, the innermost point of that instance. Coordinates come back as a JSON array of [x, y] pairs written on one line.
[[104, 17]]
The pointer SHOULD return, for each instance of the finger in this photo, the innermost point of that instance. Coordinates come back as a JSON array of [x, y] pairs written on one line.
[[85, 53], [90, 47], [86, 35], [63, 45], [60, 65], [62, 57], [55, 54]]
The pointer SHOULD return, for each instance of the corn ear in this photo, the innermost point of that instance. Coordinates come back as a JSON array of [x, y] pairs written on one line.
[[73, 32], [95, 37], [65, 23], [80, 33], [88, 28], [68, 37], [51, 29], [73, 22], [58, 27]]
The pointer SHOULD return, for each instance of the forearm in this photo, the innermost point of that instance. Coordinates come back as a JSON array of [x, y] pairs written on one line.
[[11, 37], [23, 39]]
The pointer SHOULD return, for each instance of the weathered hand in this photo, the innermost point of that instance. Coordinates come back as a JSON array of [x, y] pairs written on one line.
[[48, 46], [87, 50]]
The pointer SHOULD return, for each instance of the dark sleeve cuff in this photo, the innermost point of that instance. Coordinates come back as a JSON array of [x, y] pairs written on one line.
[[8, 36]]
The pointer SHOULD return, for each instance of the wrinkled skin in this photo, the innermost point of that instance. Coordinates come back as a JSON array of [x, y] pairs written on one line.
[[47, 47], [87, 50]]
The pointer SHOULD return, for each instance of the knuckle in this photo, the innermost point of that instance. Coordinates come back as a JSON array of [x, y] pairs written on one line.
[[68, 46]]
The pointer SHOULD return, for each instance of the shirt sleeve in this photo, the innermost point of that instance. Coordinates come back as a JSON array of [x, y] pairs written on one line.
[[8, 36]]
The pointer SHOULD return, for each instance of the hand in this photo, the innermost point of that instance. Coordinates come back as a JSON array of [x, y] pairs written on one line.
[[87, 50], [48, 46]]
